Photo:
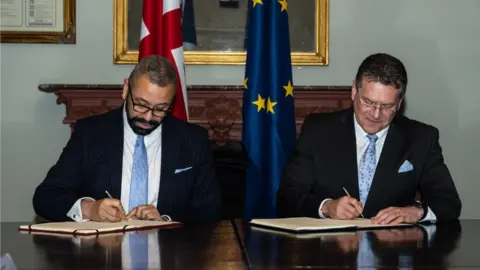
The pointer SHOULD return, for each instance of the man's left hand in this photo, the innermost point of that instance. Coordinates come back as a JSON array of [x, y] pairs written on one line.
[[144, 212], [397, 215]]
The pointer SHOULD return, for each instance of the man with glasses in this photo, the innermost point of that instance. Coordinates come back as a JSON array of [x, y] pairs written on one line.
[[369, 161], [135, 162]]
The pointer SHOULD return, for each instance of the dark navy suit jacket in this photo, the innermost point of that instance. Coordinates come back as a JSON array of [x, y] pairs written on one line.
[[325, 161], [91, 163]]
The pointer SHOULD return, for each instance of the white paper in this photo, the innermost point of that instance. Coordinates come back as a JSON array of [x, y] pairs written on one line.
[[11, 13], [90, 227], [41, 12], [313, 224]]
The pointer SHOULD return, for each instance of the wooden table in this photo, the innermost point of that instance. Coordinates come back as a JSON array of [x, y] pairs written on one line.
[[235, 245]]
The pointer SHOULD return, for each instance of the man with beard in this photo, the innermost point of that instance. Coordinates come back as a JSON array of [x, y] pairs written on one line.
[[135, 162], [368, 161]]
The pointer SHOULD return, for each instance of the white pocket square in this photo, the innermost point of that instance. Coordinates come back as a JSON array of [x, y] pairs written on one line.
[[182, 170], [406, 167]]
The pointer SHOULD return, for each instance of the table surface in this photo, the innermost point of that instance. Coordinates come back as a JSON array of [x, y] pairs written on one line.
[[236, 245]]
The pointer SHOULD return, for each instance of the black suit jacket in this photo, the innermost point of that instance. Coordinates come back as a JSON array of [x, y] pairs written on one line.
[[91, 163], [324, 161]]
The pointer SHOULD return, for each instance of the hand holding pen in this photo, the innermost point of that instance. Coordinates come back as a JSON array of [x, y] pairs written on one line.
[[348, 194], [118, 205], [345, 207], [143, 212], [106, 210]]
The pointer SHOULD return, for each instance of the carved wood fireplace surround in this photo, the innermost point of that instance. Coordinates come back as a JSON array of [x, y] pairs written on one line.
[[216, 108]]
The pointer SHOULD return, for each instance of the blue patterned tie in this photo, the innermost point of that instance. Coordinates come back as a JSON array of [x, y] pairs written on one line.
[[139, 183], [366, 169]]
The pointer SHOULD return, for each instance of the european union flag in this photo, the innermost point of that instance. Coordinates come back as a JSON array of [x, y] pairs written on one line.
[[269, 133]]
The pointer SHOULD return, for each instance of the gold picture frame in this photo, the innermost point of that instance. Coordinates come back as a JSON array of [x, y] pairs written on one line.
[[63, 33], [319, 56]]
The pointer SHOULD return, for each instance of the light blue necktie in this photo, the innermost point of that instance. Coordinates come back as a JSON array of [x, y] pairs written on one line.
[[139, 183], [139, 196], [366, 169]]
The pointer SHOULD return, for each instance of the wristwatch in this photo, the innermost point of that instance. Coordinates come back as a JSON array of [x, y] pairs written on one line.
[[421, 205]]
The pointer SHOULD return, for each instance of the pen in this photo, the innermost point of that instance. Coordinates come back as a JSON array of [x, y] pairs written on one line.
[[108, 194], [348, 194]]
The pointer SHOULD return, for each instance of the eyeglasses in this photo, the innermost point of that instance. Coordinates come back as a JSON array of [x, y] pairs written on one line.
[[158, 112], [374, 105]]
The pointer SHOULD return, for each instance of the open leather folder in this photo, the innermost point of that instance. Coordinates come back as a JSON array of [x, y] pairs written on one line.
[[305, 224], [92, 227]]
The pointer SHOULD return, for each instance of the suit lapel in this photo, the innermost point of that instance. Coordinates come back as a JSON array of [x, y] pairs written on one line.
[[393, 150], [170, 151], [114, 140], [346, 149]]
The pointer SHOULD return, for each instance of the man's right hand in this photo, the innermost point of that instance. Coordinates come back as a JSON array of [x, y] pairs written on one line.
[[103, 210], [344, 208]]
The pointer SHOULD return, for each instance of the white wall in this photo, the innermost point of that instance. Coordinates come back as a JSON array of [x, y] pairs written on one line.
[[438, 40]]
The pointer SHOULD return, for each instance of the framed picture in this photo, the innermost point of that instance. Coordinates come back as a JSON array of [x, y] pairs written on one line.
[[215, 35], [38, 21]]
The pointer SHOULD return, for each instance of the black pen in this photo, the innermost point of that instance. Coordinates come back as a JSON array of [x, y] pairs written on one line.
[[344, 189]]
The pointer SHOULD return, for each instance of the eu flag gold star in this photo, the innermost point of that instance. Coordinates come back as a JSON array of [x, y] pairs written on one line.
[[245, 83], [260, 102], [270, 105], [255, 2], [288, 89], [284, 4]]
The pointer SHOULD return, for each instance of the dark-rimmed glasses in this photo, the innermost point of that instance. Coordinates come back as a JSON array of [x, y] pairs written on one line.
[[158, 112]]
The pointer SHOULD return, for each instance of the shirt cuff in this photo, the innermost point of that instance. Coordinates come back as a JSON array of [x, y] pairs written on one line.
[[430, 216], [75, 212], [429, 229], [166, 218], [320, 208]]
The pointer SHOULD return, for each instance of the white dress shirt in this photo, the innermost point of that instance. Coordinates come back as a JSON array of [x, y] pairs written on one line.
[[153, 143], [362, 143]]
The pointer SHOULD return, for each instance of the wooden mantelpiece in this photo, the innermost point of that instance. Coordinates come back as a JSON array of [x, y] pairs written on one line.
[[217, 108]]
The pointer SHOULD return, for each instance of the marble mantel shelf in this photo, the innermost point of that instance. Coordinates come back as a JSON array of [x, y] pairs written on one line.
[[217, 108]]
